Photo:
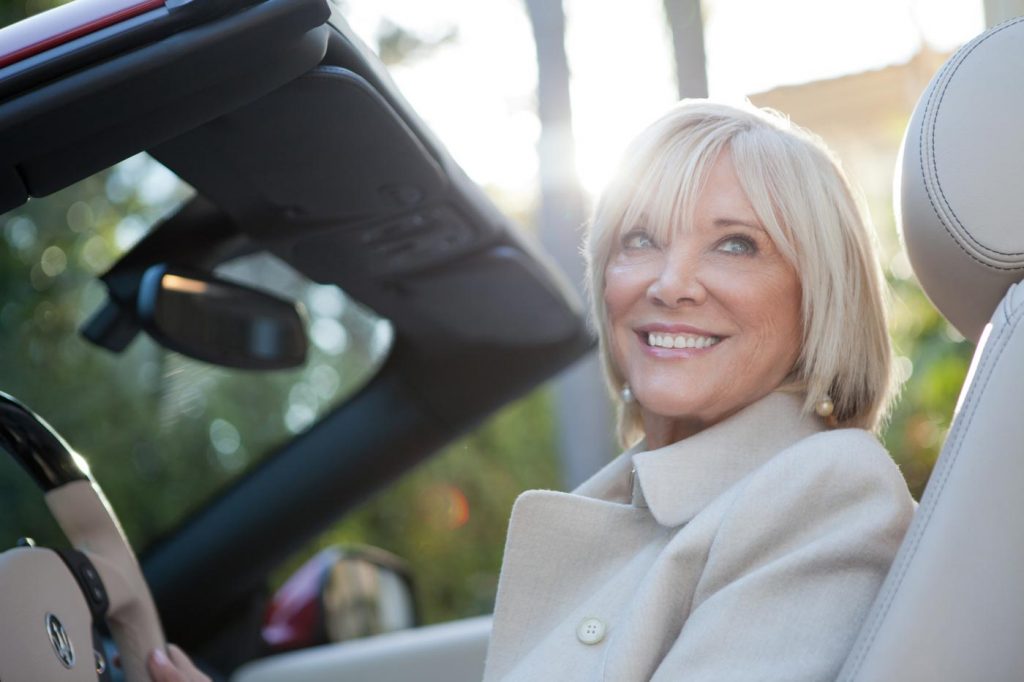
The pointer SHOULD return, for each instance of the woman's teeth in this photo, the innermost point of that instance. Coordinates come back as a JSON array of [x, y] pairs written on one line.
[[681, 340]]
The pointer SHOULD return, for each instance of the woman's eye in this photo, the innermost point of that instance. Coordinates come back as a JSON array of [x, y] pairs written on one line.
[[742, 246], [637, 239]]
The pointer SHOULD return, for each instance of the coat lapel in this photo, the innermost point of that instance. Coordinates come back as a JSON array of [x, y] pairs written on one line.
[[679, 480]]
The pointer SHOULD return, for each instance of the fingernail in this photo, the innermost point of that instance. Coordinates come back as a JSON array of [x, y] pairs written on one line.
[[160, 658]]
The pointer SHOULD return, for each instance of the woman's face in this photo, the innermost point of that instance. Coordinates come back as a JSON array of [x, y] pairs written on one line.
[[707, 323]]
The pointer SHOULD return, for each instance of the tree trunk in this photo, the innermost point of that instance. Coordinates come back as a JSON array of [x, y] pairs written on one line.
[[580, 397], [687, 26]]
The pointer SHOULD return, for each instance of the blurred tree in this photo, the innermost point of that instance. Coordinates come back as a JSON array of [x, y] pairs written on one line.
[[932, 364], [397, 44], [686, 24], [585, 442]]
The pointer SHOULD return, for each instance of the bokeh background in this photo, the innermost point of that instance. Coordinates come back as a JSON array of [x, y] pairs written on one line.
[[536, 99]]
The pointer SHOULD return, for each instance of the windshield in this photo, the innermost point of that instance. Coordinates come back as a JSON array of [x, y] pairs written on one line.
[[161, 432]]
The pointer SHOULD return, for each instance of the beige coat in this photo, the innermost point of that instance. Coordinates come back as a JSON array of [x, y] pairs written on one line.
[[750, 551]]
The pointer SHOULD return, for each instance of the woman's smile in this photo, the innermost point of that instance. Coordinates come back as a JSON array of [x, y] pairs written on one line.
[[676, 341]]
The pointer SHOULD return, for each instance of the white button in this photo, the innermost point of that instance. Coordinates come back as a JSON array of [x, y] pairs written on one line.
[[590, 631]]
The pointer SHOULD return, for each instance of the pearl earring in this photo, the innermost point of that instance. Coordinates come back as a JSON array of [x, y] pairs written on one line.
[[626, 394], [825, 407]]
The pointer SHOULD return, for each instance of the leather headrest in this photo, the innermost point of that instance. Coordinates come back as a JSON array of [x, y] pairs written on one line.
[[961, 208]]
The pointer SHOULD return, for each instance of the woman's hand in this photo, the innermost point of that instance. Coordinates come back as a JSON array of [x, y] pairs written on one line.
[[174, 665]]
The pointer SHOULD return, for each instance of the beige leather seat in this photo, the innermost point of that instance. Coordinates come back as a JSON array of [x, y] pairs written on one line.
[[952, 607]]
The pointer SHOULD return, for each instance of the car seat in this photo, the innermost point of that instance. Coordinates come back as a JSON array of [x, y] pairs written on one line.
[[952, 606]]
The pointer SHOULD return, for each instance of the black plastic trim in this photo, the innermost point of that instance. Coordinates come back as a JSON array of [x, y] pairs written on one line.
[[36, 446], [89, 581]]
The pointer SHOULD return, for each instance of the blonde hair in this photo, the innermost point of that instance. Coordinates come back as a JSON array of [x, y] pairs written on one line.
[[805, 204]]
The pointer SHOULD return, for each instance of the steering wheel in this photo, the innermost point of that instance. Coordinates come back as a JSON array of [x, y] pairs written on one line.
[[51, 600]]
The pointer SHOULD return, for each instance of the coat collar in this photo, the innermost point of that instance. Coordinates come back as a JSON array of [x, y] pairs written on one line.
[[677, 481]]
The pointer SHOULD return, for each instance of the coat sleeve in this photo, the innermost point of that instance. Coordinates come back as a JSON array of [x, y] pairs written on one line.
[[797, 562]]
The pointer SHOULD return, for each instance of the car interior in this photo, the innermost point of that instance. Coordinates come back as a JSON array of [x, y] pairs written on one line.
[[300, 148]]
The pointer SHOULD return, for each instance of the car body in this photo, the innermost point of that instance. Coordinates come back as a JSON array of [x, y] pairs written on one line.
[[301, 153]]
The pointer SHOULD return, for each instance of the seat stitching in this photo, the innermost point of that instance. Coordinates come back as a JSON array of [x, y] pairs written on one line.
[[926, 177], [946, 80], [927, 506]]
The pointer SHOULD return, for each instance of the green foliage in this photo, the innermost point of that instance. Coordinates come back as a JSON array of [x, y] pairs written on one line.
[[937, 358], [932, 361], [16, 10]]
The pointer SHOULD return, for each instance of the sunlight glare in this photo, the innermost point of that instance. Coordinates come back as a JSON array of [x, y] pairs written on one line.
[[622, 79], [477, 93]]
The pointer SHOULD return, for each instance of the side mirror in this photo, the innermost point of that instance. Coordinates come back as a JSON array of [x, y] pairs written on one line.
[[341, 593], [220, 322]]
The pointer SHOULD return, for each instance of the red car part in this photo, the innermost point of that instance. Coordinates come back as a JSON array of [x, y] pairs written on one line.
[[63, 24]]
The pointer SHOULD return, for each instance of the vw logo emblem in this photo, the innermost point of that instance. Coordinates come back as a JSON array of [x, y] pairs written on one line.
[[60, 640]]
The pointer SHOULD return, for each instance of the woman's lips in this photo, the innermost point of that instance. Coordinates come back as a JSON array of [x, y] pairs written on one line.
[[667, 328]]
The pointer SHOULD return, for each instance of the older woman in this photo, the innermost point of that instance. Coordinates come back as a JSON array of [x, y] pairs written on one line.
[[745, 532]]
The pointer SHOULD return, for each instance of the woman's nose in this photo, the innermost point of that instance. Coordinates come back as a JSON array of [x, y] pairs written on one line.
[[677, 284]]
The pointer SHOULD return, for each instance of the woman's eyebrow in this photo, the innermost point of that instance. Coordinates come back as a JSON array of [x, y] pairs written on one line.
[[731, 222]]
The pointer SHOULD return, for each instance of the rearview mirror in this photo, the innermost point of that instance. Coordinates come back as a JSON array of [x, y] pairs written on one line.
[[220, 322]]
